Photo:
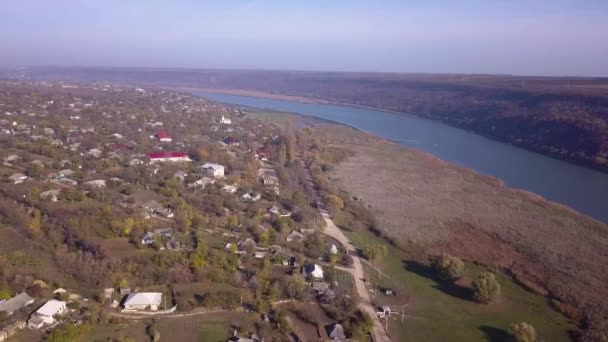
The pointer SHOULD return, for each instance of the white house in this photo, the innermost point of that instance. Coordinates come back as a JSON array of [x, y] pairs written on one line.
[[143, 301], [18, 178], [46, 313], [333, 249], [212, 169], [225, 120], [203, 182], [313, 270]]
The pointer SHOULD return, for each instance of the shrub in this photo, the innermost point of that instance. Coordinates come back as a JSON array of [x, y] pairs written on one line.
[[448, 267], [485, 288], [523, 332]]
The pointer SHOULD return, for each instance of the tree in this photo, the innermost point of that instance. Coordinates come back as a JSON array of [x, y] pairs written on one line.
[[375, 252], [448, 266], [335, 201], [153, 332], [485, 288], [35, 223], [523, 332]]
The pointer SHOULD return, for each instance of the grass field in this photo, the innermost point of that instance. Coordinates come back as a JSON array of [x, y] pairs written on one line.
[[208, 327], [438, 314]]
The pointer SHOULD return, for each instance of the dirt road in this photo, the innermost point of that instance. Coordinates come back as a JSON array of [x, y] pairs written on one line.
[[378, 332]]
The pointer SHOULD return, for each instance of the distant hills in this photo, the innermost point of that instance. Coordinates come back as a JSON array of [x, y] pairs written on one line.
[[565, 117]]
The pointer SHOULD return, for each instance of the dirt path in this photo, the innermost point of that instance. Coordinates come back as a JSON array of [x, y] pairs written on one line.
[[365, 304], [378, 332]]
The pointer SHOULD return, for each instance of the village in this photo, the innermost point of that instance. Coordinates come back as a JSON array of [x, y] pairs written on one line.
[[121, 205]]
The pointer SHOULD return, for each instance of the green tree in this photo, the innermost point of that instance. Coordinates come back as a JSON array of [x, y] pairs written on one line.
[[523, 332], [448, 267], [485, 288], [375, 252], [153, 332]]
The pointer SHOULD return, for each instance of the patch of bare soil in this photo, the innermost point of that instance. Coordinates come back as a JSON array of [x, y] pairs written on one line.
[[431, 206]]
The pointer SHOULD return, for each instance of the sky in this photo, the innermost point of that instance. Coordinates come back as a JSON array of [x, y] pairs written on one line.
[[525, 37]]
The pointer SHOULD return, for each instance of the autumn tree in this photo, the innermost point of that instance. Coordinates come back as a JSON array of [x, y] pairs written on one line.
[[485, 287], [523, 332], [448, 267]]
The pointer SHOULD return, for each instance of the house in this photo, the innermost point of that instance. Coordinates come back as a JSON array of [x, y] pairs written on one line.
[[251, 196], [230, 141], [19, 301], [150, 237], [17, 178], [46, 314], [143, 301], [163, 136], [214, 170], [98, 183], [135, 161], [295, 236], [51, 195], [225, 120], [333, 249], [203, 182], [168, 157], [261, 154], [230, 188], [246, 245], [181, 175], [94, 152], [65, 173], [386, 310], [335, 332], [155, 208], [274, 210], [313, 270]]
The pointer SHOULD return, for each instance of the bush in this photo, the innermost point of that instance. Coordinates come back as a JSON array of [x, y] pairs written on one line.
[[448, 267], [523, 332], [485, 288]]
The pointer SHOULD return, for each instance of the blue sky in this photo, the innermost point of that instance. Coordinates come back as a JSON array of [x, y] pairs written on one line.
[[538, 37]]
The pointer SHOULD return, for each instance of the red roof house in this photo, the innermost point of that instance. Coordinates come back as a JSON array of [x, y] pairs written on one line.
[[163, 136]]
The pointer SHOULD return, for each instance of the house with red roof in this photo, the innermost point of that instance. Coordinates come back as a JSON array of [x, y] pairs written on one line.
[[163, 136], [168, 157]]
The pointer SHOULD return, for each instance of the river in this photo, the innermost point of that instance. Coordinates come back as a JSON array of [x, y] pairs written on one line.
[[581, 188]]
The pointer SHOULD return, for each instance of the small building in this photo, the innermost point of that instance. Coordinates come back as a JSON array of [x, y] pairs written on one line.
[[335, 332], [19, 301], [173, 157], [17, 178], [46, 313], [313, 270], [143, 301], [202, 183], [295, 236], [50, 195], [333, 249], [230, 188], [163, 136], [98, 183], [225, 121], [230, 141], [214, 170], [386, 310]]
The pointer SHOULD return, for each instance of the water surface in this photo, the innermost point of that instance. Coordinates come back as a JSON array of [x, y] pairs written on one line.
[[581, 188]]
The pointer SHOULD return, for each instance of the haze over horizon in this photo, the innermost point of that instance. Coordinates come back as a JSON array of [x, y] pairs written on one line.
[[559, 37]]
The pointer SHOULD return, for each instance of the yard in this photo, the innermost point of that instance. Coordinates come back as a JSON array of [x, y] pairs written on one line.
[[436, 313], [203, 327]]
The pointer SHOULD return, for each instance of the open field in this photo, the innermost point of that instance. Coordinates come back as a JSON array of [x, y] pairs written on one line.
[[437, 313], [209, 327], [427, 206]]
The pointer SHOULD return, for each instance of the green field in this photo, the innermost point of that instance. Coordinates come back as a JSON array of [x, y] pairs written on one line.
[[435, 313]]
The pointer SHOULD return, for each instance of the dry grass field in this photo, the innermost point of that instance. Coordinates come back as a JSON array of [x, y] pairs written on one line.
[[427, 206]]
